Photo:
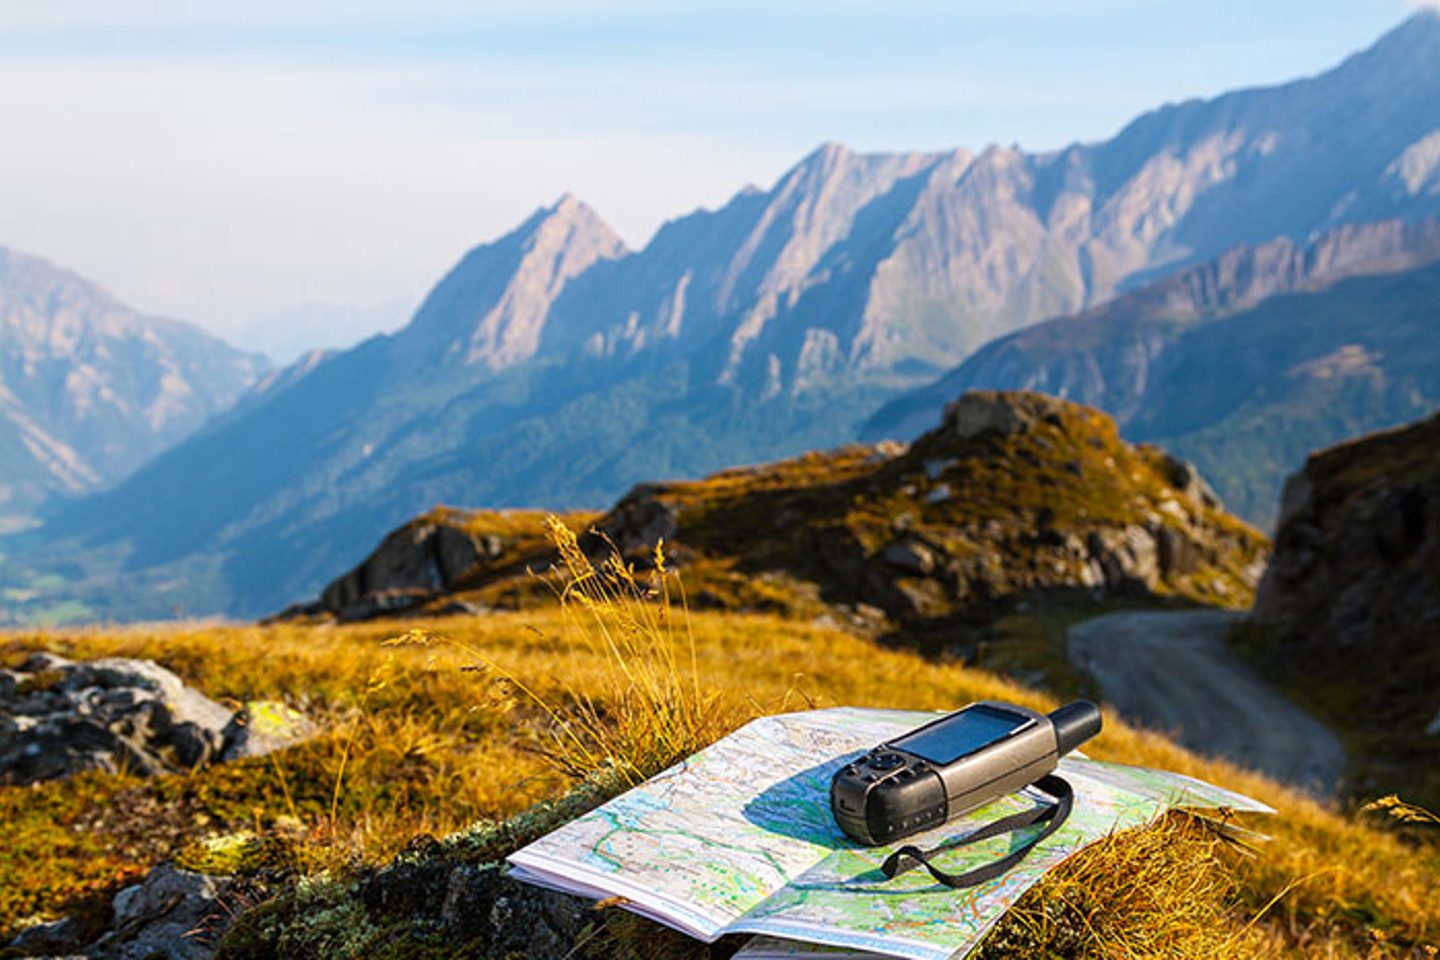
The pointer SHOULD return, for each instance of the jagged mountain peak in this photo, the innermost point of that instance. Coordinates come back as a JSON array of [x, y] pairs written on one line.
[[570, 209], [491, 308]]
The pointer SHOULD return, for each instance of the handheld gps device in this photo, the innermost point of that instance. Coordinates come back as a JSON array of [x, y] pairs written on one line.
[[952, 765]]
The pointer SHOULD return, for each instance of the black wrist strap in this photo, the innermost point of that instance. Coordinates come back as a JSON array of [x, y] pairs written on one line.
[[909, 857]]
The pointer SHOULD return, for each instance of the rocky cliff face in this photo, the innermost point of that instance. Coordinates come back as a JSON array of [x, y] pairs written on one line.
[[90, 389], [1011, 495], [1349, 608]]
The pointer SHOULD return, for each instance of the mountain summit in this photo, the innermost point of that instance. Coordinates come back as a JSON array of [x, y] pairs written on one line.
[[90, 389], [552, 367], [492, 307]]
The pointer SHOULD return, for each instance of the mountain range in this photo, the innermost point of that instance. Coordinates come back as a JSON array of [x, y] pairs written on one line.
[[1243, 364], [556, 367], [91, 389]]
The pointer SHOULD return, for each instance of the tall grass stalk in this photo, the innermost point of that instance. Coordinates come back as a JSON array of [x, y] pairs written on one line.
[[650, 708]]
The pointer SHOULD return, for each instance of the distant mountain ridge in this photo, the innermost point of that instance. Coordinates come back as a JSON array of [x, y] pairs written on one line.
[[1321, 341], [90, 389], [553, 367]]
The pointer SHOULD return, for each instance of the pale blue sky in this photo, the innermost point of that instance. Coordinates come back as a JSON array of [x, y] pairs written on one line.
[[224, 164]]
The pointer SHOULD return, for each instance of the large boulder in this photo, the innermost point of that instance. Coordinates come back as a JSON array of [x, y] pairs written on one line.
[[411, 563], [418, 569]]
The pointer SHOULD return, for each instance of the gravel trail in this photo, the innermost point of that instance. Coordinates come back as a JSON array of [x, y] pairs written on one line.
[[1171, 671]]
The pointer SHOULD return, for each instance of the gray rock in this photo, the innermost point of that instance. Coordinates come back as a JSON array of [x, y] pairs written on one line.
[[980, 410], [410, 564], [264, 726], [38, 662], [60, 938], [1178, 554], [1128, 558], [910, 556], [641, 519], [1184, 476], [117, 715], [174, 914], [113, 682]]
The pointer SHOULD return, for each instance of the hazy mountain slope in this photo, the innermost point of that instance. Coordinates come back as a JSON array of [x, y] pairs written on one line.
[[90, 389], [1244, 364], [553, 367]]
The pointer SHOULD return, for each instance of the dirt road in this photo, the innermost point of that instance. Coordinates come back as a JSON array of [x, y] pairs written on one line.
[[1171, 671]]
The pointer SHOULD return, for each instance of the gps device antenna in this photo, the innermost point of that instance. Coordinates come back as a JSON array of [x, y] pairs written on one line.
[[1074, 724]]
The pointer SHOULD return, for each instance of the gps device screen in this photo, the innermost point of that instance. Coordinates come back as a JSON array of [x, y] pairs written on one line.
[[960, 734]]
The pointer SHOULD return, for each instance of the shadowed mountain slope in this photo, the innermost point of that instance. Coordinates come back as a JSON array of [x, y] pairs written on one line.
[[1349, 610]]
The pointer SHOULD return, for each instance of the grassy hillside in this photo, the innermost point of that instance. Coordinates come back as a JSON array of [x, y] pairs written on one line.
[[417, 744], [1013, 496]]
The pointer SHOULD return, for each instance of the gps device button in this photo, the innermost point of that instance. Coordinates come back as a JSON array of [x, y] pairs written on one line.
[[886, 761]]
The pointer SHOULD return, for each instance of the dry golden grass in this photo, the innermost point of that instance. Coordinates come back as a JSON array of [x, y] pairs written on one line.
[[420, 741]]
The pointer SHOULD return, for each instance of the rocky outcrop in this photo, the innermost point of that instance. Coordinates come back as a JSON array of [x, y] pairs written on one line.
[[173, 914], [58, 718], [984, 507], [1350, 603], [418, 568], [1359, 542], [409, 565]]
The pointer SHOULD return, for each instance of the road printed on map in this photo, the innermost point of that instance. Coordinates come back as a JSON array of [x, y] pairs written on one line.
[[740, 839]]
